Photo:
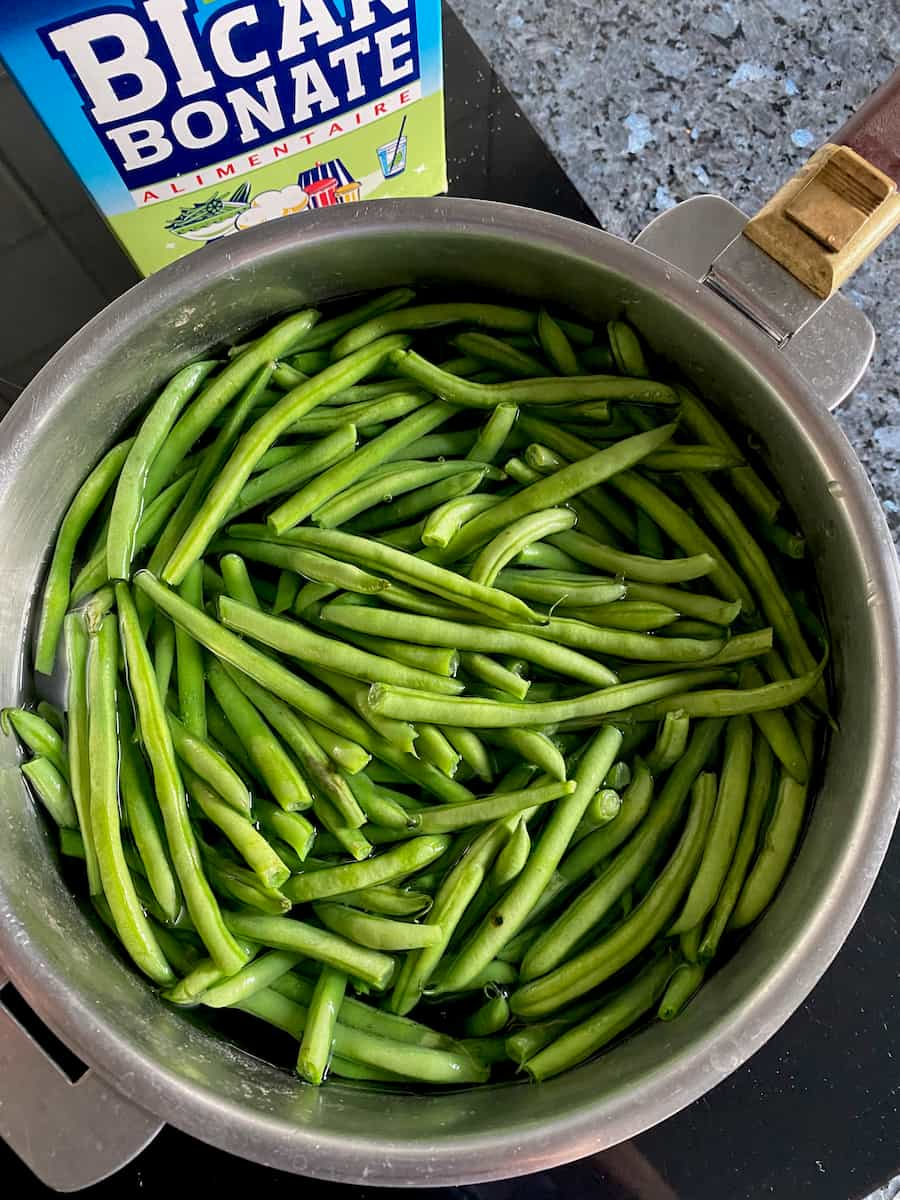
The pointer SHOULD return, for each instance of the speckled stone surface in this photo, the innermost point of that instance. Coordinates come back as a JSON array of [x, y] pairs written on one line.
[[646, 105]]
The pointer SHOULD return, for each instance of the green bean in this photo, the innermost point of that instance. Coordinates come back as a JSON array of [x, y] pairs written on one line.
[[378, 805], [623, 870], [284, 933], [433, 316], [650, 542], [448, 817], [94, 573], [355, 695], [237, 579], [671, 742], [163, 652], [691, 458], [291, 827], [642, 697], [686, 627], [757, 805], [378, 933], [38, 735], [484, 668], [51, 714], [372, 489], [532, 527], [637, 616], [446, 521], [285, 592], [745, 480], [776, 728], [196, 752], [203, 976], [309, 597], [240, 832], [493, 434], [435, 632], [556, 345], [310, 362], [596, 358], [466, 393], [130, 921], [189, 661], [490, 1018], [320, 568], [329, 331], [302, 643], [626, 940], [472, 751], [682, 986], [511, 860], [792, 545], [409, 569], [401, 860], [275, 766], [329, 483], [555, 489], [616, 1015], [130, 493], [779, 842], [240, 884], [55, 596], [736, 649], [370, 416], [261, 973], [626, 349], [314, 1055], [511, 912], [533, 747], [221, 391], [557, 592], [155, 736], [495, 353], [95, 609], [52, 789], [422, 500], [440, 660], [78, 753], [212, 460], [456, 891], [141, 813], [546, 557], [433, 747], [307, 462], [728, 702], [754, 562], [605, 805], [254, 443], [724, 828], [388, 901]]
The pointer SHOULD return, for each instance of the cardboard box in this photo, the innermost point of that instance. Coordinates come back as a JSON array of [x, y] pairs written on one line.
[[190, 120]]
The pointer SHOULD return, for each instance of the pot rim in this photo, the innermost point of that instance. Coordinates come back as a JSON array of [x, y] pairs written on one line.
[[779, 990]]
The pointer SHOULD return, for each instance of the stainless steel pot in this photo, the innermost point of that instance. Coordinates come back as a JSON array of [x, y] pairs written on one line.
[[147, 1058]]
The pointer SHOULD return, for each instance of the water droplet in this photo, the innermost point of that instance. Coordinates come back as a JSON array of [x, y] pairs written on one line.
[[835, 488]]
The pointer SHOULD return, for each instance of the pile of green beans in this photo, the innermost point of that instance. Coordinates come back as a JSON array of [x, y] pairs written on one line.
[[443, 689]]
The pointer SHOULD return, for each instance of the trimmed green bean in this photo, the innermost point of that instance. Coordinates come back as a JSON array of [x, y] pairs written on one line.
[[533, 527], [757, 806], [633, 566], [482, 348], [494, 674], [551, 390], [511, 860], [472, 751], [155, 736], [189, 661], [237, 579], [532, 747], [314, 1055], [626, 349], [78, 751], [445, 522], [250, 844], [328, 484], [671, 742], [306, 463], [284, 933], [556, 346], [636, 616], [372, 416], [131, 923], [776, 728], [378, 933], [490, 1018], [202, 758], [275, 766], [285, 592], [555, 489], [493, 434], [729, 702], [616, 1015], [433, 631], [38, 735], [641, 697], [355, 694], [163, 652], [448, 817], [388, 901], [254, 443], [130, 493], [379, 805], [433, 747], [401, 860], [625, 941], [680, 990], [52, 789], [262, 972], [558, 592], [290, 827], [421, 500], [55, 596], [433, 316], [380, 486], [51, 714], [329, 331]]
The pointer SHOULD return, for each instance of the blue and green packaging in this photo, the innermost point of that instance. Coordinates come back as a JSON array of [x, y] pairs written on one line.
[[189, 121]]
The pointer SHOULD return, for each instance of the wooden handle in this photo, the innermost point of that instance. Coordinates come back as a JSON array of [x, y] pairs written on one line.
[[874, 131]]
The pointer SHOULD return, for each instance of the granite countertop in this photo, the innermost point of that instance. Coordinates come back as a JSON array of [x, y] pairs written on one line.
[[710, 97]]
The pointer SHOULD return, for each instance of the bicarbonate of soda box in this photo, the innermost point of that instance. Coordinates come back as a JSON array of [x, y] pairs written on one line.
[[190, 120]]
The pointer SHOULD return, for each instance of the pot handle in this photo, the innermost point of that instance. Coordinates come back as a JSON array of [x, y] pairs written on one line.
[[826, 220], [71, 1135]]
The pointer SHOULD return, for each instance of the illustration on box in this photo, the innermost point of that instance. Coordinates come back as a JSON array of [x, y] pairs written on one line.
[[320, 186]]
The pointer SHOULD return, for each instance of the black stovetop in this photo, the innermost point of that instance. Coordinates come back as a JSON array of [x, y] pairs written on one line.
[[816, 1112]]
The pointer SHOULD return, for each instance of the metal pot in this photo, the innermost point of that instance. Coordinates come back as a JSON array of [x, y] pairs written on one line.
[[147, 1058]]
